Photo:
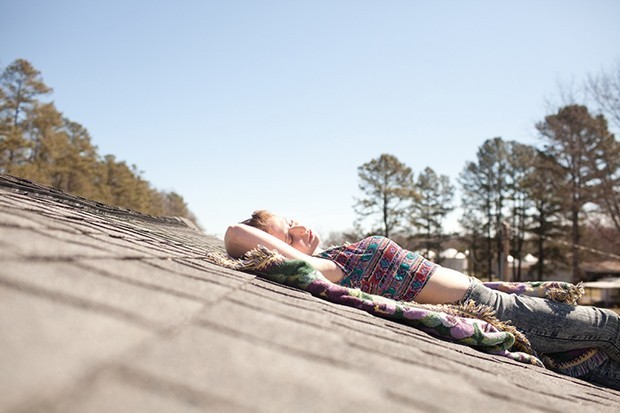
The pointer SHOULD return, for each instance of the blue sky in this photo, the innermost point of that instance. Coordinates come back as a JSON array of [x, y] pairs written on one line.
[[239, 105]]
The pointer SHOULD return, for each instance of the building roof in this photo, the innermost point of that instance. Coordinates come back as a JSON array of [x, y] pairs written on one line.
[[104, 309], [604, 284], [602, 266]]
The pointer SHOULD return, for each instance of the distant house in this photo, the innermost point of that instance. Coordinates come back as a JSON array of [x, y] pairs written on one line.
[[512, 264], [597, 270], [451, 258], [603, 283], [602, 293]]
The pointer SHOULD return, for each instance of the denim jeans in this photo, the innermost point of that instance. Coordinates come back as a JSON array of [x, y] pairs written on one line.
[[554, 327]]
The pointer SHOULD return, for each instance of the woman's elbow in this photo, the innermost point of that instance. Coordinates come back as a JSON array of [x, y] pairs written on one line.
[[230, 239], [233, 240]]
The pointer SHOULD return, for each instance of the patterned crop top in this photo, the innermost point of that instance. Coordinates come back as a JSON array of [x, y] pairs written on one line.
[[378, 265]]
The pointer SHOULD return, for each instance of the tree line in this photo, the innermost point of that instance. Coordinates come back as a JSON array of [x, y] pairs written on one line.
[[38, 142], [554, 200], [551, 200]]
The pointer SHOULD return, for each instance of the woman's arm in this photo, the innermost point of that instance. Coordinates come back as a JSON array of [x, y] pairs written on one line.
[[241, 238]]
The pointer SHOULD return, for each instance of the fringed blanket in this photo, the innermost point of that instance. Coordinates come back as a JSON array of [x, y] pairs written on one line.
[[470, 324], [551, 290]]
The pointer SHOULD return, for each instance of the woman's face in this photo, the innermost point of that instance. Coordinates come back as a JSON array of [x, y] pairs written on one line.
[[294, 234]]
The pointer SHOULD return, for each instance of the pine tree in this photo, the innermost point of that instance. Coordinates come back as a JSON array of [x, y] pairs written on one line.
[[544, 188], [387, 185], [521, 162], [81, 177], [434, 202], [20, 86], [485, 186], [13, 148], [48, 144], [576, 140]]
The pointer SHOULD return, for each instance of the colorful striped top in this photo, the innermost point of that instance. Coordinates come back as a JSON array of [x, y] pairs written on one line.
[[378, 265]]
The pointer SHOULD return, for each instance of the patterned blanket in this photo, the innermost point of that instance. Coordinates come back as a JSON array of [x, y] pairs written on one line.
[[469, 324]]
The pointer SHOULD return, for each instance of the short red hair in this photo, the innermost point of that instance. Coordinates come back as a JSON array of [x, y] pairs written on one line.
[[260, 220]]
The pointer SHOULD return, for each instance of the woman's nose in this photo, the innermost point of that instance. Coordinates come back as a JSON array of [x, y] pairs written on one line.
[[298, 230]]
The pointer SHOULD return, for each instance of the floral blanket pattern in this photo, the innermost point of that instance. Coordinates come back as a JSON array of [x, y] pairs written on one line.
[[469, 324]]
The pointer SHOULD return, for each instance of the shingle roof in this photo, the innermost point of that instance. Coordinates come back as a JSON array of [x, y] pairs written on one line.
[[108, 310]]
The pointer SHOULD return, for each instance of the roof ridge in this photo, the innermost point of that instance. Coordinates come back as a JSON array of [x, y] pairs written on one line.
[[27, 187]]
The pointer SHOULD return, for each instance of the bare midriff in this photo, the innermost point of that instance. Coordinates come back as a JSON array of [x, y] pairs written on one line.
[[445, 286]]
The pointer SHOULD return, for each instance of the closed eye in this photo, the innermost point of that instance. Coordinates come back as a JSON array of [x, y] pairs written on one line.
[[289, 237]]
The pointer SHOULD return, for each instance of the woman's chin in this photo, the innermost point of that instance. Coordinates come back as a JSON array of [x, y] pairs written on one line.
[[315, 247]]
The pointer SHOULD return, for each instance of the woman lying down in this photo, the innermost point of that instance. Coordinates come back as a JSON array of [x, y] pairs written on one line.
[[377, 265]]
